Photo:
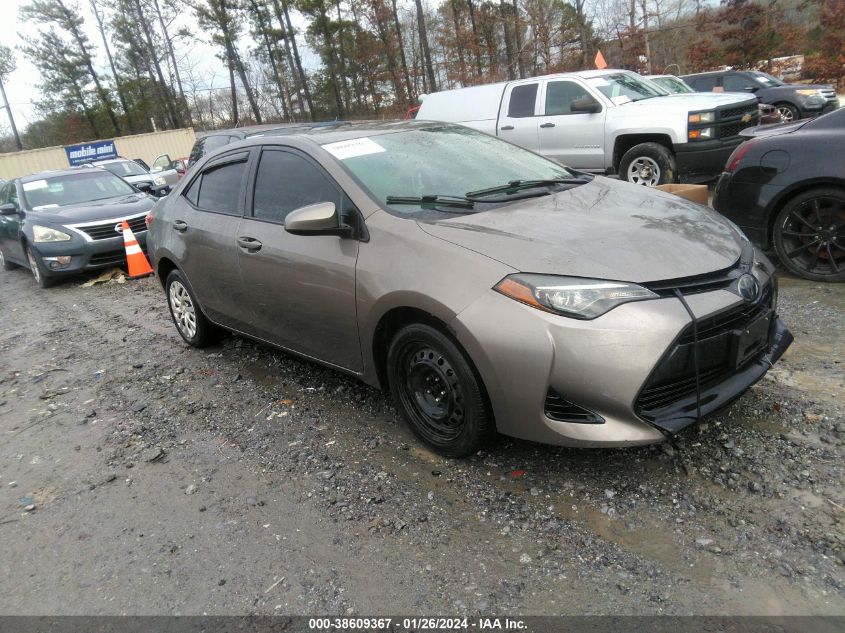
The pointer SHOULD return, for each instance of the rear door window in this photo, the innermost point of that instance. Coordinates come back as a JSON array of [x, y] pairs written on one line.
[[219, 187], [736, 82], [522, 101], [286, 181], [703, 84]]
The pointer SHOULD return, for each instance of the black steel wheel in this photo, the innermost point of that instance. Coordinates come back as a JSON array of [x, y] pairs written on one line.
[[809, 234], [437, 391]]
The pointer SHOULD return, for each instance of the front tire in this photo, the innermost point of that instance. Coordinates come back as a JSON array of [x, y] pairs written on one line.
[[809, 234], [39, 271], [437, 392], [648, 164], [190, 322], [788, 112]]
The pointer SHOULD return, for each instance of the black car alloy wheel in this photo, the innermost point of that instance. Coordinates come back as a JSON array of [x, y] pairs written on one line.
[[809, 235], [437, 391]]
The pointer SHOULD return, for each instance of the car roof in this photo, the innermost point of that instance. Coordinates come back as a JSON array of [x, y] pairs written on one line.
[[322, 135], [70, 171], [107, 161]]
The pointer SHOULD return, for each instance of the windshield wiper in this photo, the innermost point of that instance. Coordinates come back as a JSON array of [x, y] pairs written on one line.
[[431, 201], [517, 185]]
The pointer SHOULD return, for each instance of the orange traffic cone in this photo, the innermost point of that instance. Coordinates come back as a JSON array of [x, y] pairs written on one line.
[[135, 260]]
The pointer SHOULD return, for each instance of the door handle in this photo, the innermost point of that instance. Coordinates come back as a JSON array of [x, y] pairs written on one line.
[[180, 226], [547, 125], [506, 127], [249, 244]]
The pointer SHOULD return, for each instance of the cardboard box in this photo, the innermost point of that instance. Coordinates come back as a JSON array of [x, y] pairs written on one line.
[[696, 193]]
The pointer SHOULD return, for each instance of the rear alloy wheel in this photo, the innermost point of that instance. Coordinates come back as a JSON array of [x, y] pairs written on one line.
[[437, 392], [648, 164], [186, 314], [39, 273], [788, 113], [809, 235], [5, 264]]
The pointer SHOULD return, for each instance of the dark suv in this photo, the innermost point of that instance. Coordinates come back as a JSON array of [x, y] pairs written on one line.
[[793, 101]]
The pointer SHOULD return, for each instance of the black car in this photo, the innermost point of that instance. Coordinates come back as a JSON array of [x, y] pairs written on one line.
[[59, 223], [793, 101], [785, 187]]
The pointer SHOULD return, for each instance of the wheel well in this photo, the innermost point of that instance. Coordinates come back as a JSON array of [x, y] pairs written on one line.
[[781, 202], [627, 141], [389, 324], [164, 267]]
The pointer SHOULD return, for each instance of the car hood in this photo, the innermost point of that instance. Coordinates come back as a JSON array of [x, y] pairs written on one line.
[[605, 229], [697, 100], [139, 178], [107, 209]]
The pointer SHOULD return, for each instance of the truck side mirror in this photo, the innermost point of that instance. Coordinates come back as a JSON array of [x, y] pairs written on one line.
[[585, 105], [8, 208]]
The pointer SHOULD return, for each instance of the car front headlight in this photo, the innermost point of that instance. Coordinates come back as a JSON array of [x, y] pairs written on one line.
[[807, 93], [159, 180], [702, 117], [46, 234], [574, 297]]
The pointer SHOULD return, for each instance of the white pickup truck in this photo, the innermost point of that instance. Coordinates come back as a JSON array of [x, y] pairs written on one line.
[[606, 121]]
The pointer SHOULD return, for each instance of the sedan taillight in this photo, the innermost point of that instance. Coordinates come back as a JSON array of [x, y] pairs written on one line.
[[737, 156]]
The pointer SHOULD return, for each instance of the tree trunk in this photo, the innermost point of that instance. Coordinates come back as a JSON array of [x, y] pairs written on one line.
[[169, 43], [426, 51], [517, 29], [139, 13], [476, 46], [402, 57], [298, 61], [120, 95], [14, 127], [503, 11], [271, 58], [458, 45], [233, 89]]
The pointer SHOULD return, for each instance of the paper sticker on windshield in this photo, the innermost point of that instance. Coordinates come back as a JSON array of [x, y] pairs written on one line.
[[35, 184], [353, 147], [620, 99]]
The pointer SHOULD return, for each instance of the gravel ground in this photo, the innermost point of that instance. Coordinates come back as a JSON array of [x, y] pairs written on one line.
[[140, 476]]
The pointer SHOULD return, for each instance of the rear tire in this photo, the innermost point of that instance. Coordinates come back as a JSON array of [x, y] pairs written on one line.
[[5, 264], [190, 322], [809, 234], [39, 271], [437, 392], [648, 164]]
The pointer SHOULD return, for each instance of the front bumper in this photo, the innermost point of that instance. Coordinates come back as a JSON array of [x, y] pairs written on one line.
[[85, 255], [701, 161], [601, 366]]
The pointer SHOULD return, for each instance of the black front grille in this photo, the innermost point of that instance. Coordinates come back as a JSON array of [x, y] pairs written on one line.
[[733, 129], [729, 122], [738, 112], [110, 257], [674, 377], [698, 283], [556, 408], [106, 229]]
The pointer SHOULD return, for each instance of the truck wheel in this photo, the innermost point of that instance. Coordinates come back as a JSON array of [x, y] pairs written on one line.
[[648, 164], [788, 112]]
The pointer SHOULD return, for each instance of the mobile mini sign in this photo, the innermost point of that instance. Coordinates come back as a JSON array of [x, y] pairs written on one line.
[[88, 152]]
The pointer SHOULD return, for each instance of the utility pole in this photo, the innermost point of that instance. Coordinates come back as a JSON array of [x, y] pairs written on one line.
[[11, 118]]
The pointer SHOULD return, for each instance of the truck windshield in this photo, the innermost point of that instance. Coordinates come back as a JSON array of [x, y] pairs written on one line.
[[624, 87], [766, 79], [438, 163], [672, 84]]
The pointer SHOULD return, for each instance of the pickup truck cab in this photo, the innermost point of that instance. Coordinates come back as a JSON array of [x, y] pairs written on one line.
[[605, 121]]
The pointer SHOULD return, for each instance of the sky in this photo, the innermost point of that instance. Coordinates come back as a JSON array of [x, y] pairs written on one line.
[[22, 85]]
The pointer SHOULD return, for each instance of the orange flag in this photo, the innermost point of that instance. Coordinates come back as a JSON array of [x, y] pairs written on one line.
[[600, 63]]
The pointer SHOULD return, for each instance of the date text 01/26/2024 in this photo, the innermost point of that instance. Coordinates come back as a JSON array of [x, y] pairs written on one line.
[[415, 624]]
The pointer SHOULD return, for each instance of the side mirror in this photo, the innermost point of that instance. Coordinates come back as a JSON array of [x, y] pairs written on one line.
[[585, 105], [316, 219], [751, 88], [8, 208]]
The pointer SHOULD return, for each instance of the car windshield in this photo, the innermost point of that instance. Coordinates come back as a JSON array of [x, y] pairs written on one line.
[[672, 85], [85, 186], [125, 168], [766, 79], [624, 87], [447, 161]]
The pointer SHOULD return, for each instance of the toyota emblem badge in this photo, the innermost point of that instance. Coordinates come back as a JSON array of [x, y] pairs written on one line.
[[748, 287]]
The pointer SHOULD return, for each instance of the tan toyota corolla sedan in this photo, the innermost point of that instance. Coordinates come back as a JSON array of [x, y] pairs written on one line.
[[488, 288]]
